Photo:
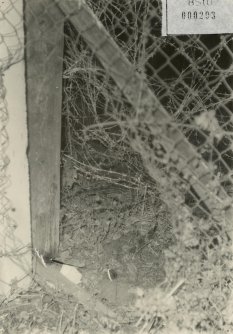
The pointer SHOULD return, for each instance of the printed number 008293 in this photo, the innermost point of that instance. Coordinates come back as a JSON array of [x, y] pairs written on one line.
[[198, 15]]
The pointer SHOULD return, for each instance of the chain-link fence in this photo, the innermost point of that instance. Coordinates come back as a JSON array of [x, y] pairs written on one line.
[[154, 113], [183, 82], [10, 47], [5, 205], [12, 40]]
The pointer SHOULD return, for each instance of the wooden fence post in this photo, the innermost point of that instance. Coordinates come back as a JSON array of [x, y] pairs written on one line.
[[44, 67]]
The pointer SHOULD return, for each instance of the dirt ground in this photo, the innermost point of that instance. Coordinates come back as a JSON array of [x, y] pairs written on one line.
[[115, 236]]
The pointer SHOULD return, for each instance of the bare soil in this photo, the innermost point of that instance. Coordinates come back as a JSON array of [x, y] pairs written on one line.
[[115, 236]]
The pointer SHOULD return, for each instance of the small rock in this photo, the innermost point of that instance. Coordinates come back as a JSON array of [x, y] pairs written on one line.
[[71, 273]]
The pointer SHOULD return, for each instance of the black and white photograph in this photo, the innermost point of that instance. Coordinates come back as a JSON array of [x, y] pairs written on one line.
[[116, 166]]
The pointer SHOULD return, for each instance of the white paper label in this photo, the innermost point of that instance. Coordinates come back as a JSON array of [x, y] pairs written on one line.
[[183, 17]]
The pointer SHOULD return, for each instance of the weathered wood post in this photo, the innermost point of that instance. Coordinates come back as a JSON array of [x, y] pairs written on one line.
[[44, 66]]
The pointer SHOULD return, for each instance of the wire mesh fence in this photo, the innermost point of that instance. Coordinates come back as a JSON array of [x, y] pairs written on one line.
[[11, 27], [5, 204], [148, 112], [191, 94]]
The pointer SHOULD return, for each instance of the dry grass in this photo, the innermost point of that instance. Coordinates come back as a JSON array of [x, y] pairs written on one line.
[[201, 258], [100, 128]]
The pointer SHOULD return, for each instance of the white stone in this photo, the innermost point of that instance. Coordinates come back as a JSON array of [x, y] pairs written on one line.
[[71, 273]]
